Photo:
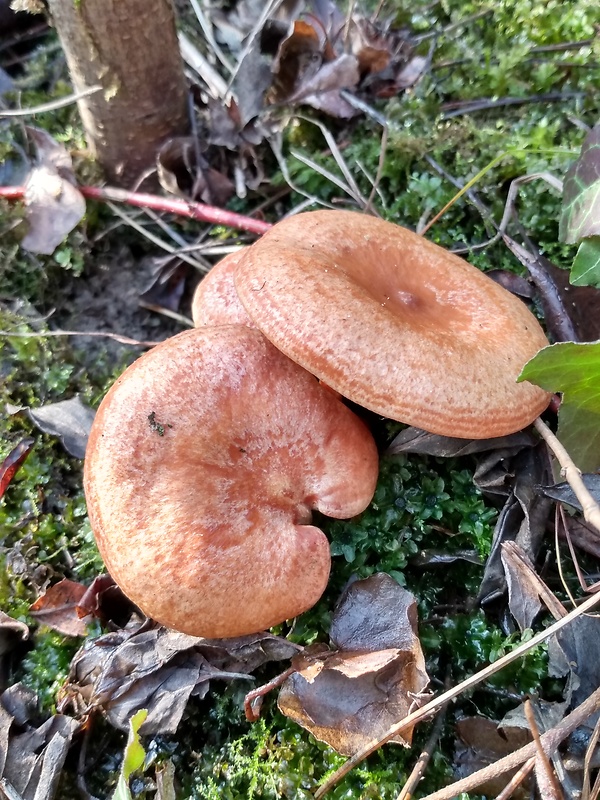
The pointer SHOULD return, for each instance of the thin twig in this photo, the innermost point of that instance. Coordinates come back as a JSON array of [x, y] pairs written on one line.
[[516, 780], [425, 711], [62, 102], [572, 474], [546, 776], [419, 768], [550, 742], [183, 208], [470, 106], [586, 791]]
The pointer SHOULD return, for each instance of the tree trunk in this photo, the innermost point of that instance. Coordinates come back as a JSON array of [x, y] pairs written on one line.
[[130, 48]]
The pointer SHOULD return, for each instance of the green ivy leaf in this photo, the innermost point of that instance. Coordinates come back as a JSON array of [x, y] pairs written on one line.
[[585, 270], [574, 370], [580, 216], [133, 758]]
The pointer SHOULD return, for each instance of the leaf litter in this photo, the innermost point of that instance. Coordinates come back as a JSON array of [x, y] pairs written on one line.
[[305, 67]]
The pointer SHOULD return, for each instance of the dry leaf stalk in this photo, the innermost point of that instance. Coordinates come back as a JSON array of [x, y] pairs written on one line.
[[572, 474]]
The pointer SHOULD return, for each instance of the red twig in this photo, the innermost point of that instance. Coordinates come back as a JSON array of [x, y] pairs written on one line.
[[183, 208]]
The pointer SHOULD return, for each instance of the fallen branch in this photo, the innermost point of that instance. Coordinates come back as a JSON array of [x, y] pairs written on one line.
[[183, 208], [425, 711]]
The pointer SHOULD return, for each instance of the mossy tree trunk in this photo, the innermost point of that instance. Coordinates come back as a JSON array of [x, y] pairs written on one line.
[[130, 48]]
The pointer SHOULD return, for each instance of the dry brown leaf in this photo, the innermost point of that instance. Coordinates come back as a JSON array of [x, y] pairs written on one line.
[[70, 420], [526, 590], [298, 59], [483, 742], [57, 608], [159, 669], [53, 204], [31, 761], [350, 696]]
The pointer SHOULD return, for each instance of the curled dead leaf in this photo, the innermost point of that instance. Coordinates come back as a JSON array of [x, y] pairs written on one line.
[[352, 695]]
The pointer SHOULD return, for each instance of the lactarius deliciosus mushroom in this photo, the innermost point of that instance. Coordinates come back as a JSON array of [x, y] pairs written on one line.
[[394, 323], [215, 300], [204, 463]]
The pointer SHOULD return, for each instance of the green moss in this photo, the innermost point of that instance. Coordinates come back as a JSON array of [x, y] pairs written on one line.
[[45, 668]]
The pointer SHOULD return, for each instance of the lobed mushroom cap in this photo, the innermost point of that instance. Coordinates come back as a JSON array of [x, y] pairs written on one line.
[[204, 463], [394, 323], [215, 301]]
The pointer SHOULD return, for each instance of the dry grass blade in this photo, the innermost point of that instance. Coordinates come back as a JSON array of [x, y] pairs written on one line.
[[207, 30], [62, 102], [429, 708], [196, 61], [311, 199], [117, 337], [325, 173], [353, 189], [176, 251]]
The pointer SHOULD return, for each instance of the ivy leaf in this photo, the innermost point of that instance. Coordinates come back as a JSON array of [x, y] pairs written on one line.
[[133, 758], [574, 370], [585, 270], [580, 216]]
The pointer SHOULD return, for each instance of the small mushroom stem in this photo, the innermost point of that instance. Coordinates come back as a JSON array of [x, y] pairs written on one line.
[[571, 473]]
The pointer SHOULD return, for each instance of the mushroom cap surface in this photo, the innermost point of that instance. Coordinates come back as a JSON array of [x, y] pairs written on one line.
[[215, 300], [394, 323], [204, 463]]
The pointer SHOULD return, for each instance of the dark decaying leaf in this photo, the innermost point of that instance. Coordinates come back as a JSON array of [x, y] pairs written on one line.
[[523, 599], [523, 518], [415, 440], [322, 90], [574, 370], [159, 669], [53, 204], [581, 304], [526, 590], [167, 287], [582, 535], [250, 88], [13, 462], [581, 194], [184, 170], [481, 742], [575, 651], [563, 493], [105, 601], [31, 759], [298, 59], [11, 631], [513, 283], [354, 694], [12, 634], [70, 420], [57, 608]]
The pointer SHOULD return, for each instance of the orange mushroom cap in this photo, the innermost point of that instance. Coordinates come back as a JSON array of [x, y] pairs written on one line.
[[394, 323], [215, 301], [204, 463]]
